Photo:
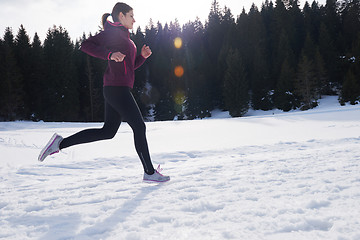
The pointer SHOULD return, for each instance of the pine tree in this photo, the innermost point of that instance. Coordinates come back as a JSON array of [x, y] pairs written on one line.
[[229, 41], [312, 19], [305, 84], [295, 29], [22, 50], [332, 21], [350, 90], [61, 95], [235, 92], [284, 98], [322, 79], [260, 81], [280, 26], [267, 14], [242, 39], [351, 21], [11, 87], [214, 36], [282, 48], [37, 78], [213, 28], [198, 102]]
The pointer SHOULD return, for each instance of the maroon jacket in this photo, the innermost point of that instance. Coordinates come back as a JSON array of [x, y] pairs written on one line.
[[115, 38]]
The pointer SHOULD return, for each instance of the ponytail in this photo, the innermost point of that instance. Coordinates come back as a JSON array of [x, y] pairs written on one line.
[[104, 18]]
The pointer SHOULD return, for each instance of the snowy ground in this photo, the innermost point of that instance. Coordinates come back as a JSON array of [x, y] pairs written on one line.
[[269, 176]]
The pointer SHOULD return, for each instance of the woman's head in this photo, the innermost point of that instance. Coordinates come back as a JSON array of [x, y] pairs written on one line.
[[122, 13]]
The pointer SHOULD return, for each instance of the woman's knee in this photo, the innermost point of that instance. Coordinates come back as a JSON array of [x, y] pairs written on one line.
[[109, 133]]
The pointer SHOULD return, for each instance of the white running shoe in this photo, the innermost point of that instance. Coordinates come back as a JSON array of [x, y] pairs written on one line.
[[51, 147], [156, 177]]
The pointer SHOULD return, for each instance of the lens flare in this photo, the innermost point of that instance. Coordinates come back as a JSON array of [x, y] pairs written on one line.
[[179, 97], [179, 71], [177, 42]]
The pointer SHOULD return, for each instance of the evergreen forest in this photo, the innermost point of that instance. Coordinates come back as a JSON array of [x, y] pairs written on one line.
[[279, 55]]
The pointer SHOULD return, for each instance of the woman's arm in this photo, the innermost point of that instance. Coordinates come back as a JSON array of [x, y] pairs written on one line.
[[145, 53], [139, 60], [95, 46]]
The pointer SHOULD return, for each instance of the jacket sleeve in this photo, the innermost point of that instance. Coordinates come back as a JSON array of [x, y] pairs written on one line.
[[95, 46], [139, 60]]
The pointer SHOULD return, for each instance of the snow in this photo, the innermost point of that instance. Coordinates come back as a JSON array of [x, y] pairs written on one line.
[[270, 175]]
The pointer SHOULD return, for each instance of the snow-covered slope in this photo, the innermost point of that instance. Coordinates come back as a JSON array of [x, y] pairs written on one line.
[[269, 175]]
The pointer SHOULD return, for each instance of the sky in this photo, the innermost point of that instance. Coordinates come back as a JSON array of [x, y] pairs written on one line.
[[83, 16]]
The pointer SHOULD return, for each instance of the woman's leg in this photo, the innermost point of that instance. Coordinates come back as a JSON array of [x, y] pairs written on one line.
[[121, 99], [108, 131]]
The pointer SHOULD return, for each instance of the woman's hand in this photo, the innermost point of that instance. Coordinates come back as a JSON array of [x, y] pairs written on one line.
[[117, 56], [146, 51]]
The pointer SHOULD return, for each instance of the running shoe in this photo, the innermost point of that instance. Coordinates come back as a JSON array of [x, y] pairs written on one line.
[[156, 177], [51, 147]]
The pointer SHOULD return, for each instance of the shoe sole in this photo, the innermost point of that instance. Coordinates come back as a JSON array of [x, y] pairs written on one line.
[[154, 181]]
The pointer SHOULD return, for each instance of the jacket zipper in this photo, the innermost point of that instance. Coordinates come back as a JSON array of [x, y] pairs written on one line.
[[125, 66]]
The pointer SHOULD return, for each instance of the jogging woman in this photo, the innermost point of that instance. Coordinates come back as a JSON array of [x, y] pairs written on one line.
[[114, 44]]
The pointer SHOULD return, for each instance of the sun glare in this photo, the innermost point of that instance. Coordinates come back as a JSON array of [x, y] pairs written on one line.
[[179, 71], [178, 42], [179, 97]]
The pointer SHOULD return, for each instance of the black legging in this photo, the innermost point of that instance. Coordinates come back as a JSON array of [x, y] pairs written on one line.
[[119, 105]]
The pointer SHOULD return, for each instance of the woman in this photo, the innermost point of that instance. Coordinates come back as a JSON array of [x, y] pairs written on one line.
[[114, 44]]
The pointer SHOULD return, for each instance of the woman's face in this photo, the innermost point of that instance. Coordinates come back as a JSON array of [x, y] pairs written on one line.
[[127, 20]]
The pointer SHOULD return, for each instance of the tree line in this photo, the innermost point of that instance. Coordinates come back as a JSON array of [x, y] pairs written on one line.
[[278, 56]]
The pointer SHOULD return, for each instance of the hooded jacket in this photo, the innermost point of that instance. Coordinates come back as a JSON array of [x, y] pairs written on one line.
[[115, 38]]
